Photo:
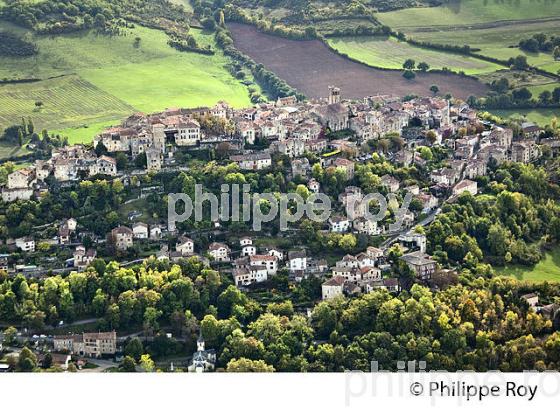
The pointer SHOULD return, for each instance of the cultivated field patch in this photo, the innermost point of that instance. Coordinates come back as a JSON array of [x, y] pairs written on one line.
[[391, 53], [108, 78], [84, 133], [470, 12], [498, 42], [311, 67], [65, 101]]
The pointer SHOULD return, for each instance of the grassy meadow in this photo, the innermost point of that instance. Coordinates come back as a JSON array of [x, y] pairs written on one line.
[[391, 53], [89, 80], [85, 132], [548, 269], [540, 116], [470, 12], [7, 150], [498, 42]]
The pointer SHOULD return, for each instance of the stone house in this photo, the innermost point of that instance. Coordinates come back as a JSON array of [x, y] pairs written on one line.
[[122, 237]]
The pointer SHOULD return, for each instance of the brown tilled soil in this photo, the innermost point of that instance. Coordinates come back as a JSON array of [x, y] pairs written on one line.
[[311, 67]]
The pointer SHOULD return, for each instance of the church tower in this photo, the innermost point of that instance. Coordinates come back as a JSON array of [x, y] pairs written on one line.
[[200, 343], [334, 95]]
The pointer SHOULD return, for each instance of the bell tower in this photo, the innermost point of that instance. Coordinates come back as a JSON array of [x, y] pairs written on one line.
[[334, 94], [200, 343]]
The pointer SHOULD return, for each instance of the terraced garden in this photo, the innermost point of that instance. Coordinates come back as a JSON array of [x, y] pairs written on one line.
[[391, 53]]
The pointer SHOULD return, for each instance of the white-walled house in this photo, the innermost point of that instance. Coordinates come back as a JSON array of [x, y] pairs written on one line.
[[83, 257], [26, 244], [248, 250], [188, 134], [339, 224], [122, 237], [219, 251], [244, 276], [247, 247], [269, 262], [276, 252], [246, 240], [140, 230], [297, 261], [155, 232], [465, 185], [185, 246], [333, 287]]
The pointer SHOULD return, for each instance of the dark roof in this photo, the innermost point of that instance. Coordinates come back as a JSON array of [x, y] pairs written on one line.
[[335, 281]]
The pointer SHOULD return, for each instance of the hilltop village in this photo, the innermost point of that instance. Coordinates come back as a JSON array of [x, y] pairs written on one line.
[[343, 148]]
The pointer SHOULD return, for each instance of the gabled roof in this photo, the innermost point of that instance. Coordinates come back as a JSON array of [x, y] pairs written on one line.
[[335, 281]]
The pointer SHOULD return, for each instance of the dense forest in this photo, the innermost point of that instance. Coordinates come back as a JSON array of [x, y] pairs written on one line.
[[73, 15], [12, 45], [514, 218], [484, 325]]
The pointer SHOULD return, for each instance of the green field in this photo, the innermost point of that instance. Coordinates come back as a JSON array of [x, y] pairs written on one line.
[[540, 116], [102, 79], [537, 89], [66, 101], [470, 12], [548, 269], [498, 42], [391, 53], [85, 132], [7, 151]]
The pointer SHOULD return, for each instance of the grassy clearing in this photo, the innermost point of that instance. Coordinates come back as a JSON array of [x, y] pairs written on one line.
[[520, 79], [83, 133], [391, 53], [107, 78], [11, 151], [169, 82], [470, 12], [548, 269], [537, 89], [541, 116]]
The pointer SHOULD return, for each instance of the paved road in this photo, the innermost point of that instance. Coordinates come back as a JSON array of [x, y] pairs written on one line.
[[103, 365], [428, 220]]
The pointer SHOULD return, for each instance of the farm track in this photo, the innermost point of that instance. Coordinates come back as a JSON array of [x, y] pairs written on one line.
[[310, 66]]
